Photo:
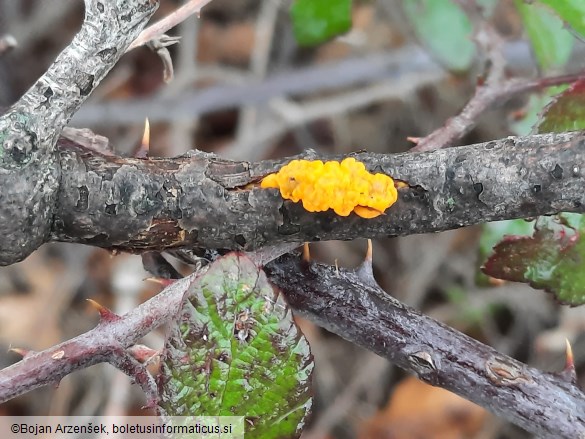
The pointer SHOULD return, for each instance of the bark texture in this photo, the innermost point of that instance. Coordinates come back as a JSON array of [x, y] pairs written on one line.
[[29, 165], [352, 305], [203, 201]]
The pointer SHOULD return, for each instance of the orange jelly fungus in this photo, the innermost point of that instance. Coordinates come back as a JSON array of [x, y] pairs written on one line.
[[344, 187]]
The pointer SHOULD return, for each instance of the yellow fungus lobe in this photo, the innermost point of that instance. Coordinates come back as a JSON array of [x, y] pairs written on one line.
[[344, 187]]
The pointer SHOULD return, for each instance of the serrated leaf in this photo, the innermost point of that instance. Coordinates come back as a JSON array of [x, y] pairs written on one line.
[[566, 112], [316, 21], [445, 29], [534, 110], [552, 259], [236, 351], [494, 232], [551, 42], [570, 11]]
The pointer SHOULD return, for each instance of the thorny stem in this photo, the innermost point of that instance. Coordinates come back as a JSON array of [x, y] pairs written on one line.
[[350, 304], [353, 306]]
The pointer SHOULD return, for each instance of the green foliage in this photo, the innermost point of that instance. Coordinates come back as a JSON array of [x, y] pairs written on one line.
[[552, 44], [566, 112], [548, 259], [316, 21], [570, 11], [236, 351], [445, 29], [494, 232], [552, 259], [534, 110]]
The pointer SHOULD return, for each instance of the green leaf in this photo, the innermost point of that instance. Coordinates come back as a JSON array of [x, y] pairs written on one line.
[[316, 21], [566, 112], [236, 351], [534, 110], [494, 232], [445, 29], [552, 259], [551, 42], [570, 11]]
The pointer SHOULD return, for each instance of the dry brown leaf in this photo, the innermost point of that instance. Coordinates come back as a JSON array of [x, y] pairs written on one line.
[[418, 410]]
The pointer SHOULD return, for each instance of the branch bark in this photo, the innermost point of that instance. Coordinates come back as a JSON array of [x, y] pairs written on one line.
[[352, 305], [201, 200], [29, 166], [104, 343]]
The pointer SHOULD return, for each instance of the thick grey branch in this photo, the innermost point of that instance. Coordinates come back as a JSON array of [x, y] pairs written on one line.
[[29, 167], [352, 306], [203, 201]]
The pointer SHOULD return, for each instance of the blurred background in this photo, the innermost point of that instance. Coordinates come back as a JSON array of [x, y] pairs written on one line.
[[244, 89]]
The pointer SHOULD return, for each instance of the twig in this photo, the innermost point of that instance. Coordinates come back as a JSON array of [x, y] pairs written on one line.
[[398, 66], [104, 343], [170, 21], [484, 98], [110, 340], [263, 37], [139, 205], [491, 90]]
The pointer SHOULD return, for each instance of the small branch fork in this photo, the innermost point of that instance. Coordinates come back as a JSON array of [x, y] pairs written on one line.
[[158, 29]]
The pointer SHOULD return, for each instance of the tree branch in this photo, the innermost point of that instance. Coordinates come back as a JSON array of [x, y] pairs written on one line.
[[31, 127], [352, 305], [102, 344], [203, 201]]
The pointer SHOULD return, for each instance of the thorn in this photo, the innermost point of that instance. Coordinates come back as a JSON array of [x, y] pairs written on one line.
[[365, 271], [569, 372], [142, 152], [151, 403], [142, 353], [59, 355], [369, 252], [159, 280], [414, 140], [22, 352], [306, 252], [106, 315]]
